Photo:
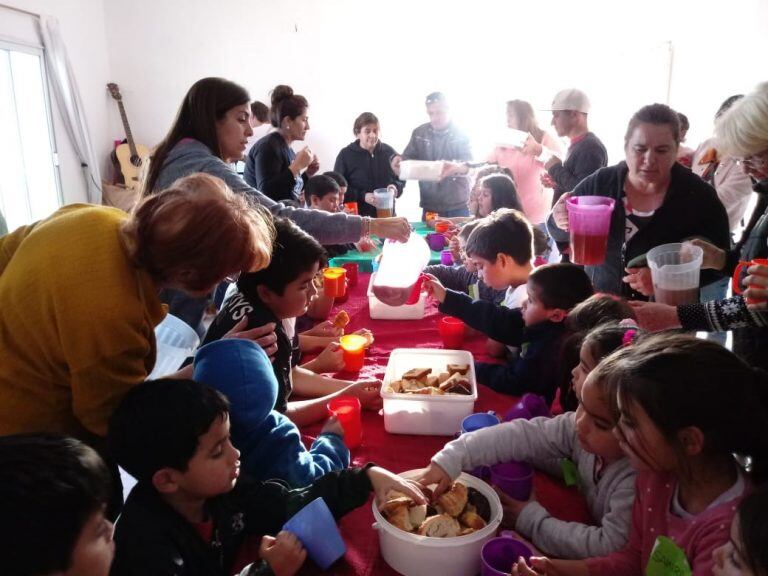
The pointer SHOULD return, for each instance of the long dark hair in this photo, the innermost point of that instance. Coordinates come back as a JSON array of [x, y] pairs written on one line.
[[681, 381], [207, 101], [503, 192], [753, 525]]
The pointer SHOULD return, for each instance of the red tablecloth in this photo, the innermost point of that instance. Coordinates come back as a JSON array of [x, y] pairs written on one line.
[[398, 452]]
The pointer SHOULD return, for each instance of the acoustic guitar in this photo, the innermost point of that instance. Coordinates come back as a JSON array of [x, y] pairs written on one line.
[[131, 157]]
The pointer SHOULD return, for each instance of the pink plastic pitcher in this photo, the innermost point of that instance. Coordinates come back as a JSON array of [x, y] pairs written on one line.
[[399, 270], [589, 221]]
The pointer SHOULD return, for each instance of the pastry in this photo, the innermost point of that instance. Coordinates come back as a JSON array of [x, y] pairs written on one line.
[[442, 377], [454, 501], [433, 381], [417, 514], [400, 517], [458, 369], [440, 526], [417, 373], [472, 520], [341, 319]]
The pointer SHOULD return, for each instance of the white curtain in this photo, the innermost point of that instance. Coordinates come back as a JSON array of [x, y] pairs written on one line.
[[62, 80]]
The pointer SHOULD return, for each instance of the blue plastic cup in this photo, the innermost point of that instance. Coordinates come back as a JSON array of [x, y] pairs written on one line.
[[316, 529], [479, 420]]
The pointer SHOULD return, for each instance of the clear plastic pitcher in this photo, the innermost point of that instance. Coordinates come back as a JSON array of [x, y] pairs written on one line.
[[589, 222], [675, 272], [399, 269], [384, 200]]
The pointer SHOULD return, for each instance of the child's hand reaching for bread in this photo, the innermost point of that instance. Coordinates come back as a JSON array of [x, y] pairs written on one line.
[[434, 474], [325, 329], [284, 553], [434, 288], [383, 481], [368, 391], [333, 426]]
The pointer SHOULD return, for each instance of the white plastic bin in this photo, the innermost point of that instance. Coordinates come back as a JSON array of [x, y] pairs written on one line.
[[414, 555], [176, 341], [380, 311], [422, 414]]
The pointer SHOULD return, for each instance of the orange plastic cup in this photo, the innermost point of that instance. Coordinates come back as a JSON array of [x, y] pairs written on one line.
[[347, 411], [335, 282], [442, 227], [353, 349], [351, 207], [737, 274]]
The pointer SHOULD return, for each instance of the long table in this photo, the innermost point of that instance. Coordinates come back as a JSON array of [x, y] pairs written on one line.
[[399, 452]]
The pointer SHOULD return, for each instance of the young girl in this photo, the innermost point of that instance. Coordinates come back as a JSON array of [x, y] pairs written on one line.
[[745, 553], [584, 437], [687, 406]]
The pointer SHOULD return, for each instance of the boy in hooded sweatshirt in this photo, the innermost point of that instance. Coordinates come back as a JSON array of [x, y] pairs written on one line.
[[269, 443]]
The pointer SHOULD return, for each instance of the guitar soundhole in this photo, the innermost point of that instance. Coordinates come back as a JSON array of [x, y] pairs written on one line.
[[136, 161]]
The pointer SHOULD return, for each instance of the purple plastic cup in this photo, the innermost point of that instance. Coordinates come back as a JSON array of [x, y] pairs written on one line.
[[436, 241], [498, 555], [446, 258], [529, 406], [515, 479], [517, 411]]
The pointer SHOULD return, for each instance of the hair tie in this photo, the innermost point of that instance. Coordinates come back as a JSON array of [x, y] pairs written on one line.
[[629, 323], [629, 337]]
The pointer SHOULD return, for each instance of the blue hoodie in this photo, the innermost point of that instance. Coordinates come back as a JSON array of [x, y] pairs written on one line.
[[270, 444]]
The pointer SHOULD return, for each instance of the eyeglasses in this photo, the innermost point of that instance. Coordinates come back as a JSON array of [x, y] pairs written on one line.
[[233, 278], [755, 161]]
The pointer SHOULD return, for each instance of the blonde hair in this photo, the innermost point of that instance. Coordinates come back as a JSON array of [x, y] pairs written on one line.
[[743, 129], [198, 231]]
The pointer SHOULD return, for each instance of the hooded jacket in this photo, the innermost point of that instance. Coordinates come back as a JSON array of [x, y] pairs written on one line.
[[269, 443]]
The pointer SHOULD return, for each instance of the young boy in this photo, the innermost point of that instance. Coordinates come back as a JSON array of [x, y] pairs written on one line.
[[501, 246], [341, 181], [53, 494], [278, 294], [189, 514], [269, 442]]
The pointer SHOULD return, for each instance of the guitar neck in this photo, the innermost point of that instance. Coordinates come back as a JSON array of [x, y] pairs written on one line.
[[127, 128]]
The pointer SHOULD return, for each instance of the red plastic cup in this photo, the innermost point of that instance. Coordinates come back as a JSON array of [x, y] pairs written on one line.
[[335, 282], [442, 227], [351, 207], [347, 411], [737, 275], [352, 271], [353, 350], [452, 332]]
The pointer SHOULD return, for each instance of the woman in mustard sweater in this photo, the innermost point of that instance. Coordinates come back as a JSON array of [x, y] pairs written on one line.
[[79, 297]]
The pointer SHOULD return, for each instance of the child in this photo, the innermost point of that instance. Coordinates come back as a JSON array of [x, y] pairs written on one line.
[[584, 437], [496, 191], [687, 406], [282, 291], [501, 248], [746, 553], [189, 513], [465, 278], [53, 494], [341, 181], [269, 442]]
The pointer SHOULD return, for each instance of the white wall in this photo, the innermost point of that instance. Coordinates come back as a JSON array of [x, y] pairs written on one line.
[[83, 28], [348, 56]]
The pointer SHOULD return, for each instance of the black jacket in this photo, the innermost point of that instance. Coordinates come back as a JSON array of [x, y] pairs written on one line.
[[266, 168], [538, 369], [585, 157], [691, 209], [426, 143], [366, 171], [152, 539]]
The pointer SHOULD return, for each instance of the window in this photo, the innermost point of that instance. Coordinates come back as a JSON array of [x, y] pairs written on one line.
[[29, 179]]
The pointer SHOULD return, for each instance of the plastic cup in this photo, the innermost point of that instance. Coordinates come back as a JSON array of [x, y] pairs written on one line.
[[498, 555], [675, 270], [442, 227], [347, 411], [335, 282], [352, 272], [452, 332], [384, 201], [736, 282], [589, 222], [446, 258], [315, 527], [478, 420], [436, 241], [529, 406], [353, 350], [351, 207], [514, 478]]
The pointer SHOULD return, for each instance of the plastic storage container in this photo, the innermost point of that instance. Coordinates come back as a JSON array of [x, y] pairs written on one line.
[[380, 311], [421, 414], [176, 341], [675, 270], [399, 269], [414, 555]]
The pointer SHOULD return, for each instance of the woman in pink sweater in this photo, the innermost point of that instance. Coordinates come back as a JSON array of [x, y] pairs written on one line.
[[522, 162], [687, 406]]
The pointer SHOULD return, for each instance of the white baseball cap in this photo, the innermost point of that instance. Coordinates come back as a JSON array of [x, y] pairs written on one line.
[[571, 99]]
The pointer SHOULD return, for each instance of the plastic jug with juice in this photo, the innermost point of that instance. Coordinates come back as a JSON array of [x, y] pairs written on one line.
[[399, 269]]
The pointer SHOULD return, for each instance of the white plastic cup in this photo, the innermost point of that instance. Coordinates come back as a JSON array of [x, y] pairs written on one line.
[[675, 270]]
